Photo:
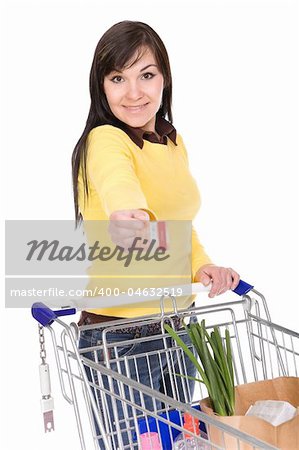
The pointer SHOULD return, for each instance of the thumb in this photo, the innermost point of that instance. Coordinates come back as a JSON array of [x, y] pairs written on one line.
[[140, 214], [205, 279]]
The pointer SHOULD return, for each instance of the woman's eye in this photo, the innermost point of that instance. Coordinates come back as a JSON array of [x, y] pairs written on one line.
[[148, 75], [116, 79]]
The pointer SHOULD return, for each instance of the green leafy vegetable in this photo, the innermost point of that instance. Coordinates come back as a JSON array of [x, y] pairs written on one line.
[[216, 364]]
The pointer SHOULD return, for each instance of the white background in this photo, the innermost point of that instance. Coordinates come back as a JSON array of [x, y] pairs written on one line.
[[235, 74]]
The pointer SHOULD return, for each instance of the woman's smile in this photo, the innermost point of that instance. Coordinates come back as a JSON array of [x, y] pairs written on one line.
[[135, 109]]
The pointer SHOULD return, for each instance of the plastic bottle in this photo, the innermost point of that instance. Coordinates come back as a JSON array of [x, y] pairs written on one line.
[[185, 441], [150, 441]]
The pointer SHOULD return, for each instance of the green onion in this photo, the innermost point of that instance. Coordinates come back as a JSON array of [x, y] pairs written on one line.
[[216, 364]]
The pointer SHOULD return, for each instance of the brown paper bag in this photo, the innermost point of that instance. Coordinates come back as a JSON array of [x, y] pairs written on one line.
[[284, 436]]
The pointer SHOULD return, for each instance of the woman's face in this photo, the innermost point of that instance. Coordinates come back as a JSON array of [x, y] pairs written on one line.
[[134, 95]]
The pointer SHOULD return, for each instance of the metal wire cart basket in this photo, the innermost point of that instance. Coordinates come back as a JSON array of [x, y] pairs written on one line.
[[113, 409]]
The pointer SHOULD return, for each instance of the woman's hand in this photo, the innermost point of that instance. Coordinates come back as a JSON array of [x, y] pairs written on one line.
[[126, 225], [222, 278]]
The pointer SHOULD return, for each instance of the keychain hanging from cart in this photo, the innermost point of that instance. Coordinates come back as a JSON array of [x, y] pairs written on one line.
[[47, 401]]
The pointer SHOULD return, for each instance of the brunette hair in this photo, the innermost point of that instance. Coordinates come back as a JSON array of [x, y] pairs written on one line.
[[114, 51]]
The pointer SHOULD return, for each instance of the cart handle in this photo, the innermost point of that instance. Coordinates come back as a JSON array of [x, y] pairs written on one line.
[[46, 316], [242, 288]]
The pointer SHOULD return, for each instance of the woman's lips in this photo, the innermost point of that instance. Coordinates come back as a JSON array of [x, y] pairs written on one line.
[[135, 108]]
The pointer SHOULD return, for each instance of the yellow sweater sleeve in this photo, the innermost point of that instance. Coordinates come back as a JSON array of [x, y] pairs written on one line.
[[199, 256], [110, 168]]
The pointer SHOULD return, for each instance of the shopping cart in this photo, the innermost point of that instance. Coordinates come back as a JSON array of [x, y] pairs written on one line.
[[99, 381]]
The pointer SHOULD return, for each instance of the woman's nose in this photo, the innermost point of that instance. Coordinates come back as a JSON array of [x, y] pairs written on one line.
[[134, 91]]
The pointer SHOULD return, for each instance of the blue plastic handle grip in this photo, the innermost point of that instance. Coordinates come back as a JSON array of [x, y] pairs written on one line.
[[45, 316], [243, 288]]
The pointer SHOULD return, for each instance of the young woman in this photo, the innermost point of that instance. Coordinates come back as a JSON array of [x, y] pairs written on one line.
[[130, 166]]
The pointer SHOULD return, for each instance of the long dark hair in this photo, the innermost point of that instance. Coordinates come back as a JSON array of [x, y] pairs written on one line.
[[115, 49]]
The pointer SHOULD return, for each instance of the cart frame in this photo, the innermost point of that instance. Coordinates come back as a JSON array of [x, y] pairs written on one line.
[[272, 350]]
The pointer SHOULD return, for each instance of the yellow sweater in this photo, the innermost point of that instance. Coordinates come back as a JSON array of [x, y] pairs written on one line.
[[155, 178]]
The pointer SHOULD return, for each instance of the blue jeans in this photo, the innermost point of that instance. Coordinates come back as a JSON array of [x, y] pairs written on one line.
[[152, 371]]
